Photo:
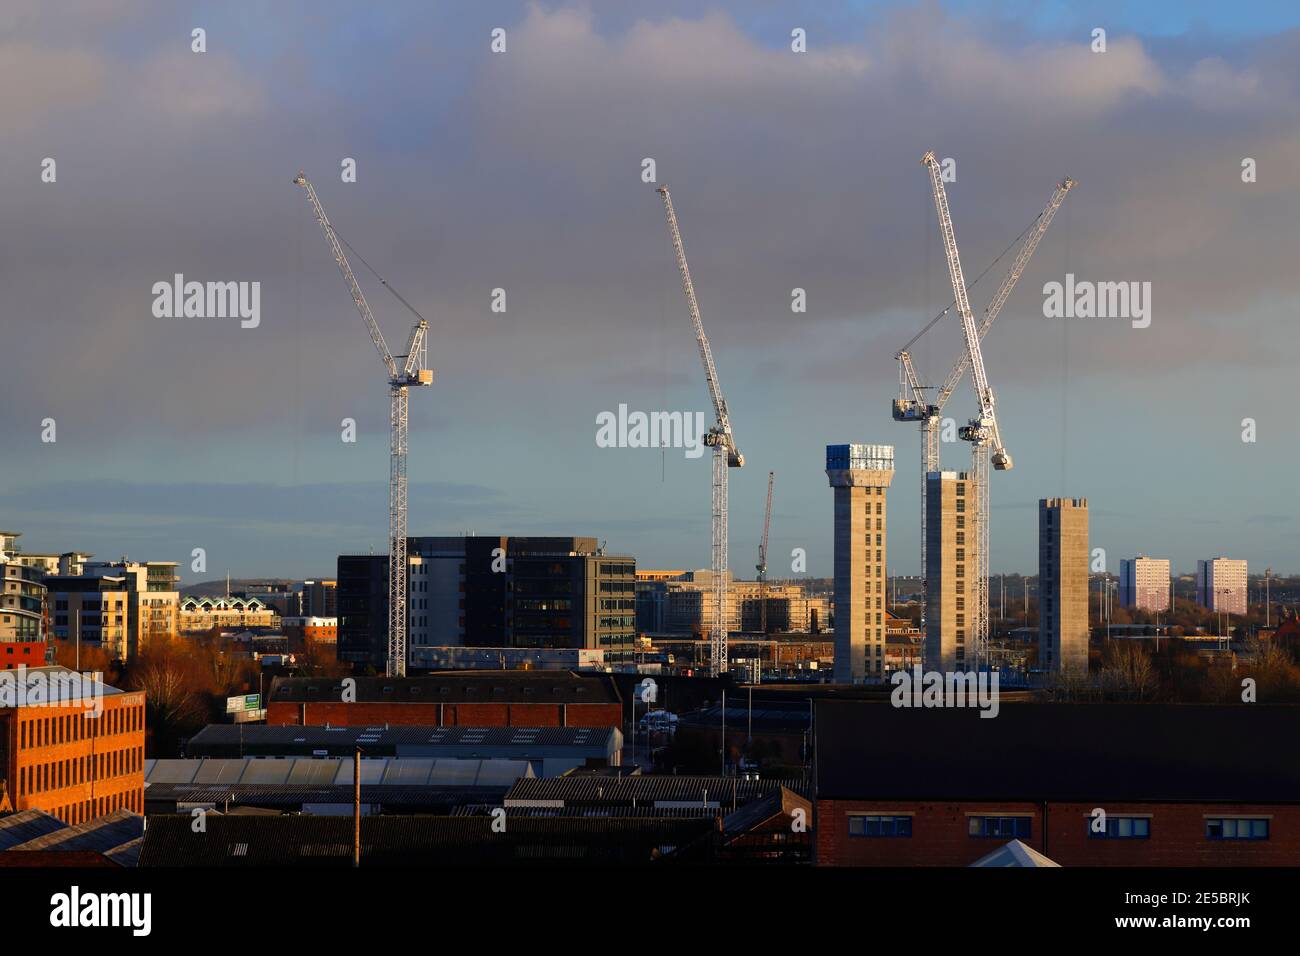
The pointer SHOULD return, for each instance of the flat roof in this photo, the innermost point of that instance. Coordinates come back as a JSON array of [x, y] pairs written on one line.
[[458, 687], [1068, 752]]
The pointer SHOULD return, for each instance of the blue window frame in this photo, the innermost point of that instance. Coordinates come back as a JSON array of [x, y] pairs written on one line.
[[871, 825]]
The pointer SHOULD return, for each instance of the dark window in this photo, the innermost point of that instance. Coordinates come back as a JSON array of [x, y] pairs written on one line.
[[1233, 828], [879, 826], [1122, 828], [1004, 828]]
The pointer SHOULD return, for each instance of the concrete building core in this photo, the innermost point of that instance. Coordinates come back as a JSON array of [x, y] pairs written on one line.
[[1063, 584], [950, 560], [860, 476]]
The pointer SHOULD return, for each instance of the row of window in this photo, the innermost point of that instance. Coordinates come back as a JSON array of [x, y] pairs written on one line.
[[57, 774], [78, 725], [75, 813], [1021, 827]]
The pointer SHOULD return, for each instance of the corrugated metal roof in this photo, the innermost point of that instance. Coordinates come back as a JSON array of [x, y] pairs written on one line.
[[17, 828], [100, 835], [247, 772], [251, 739], [645, 788]]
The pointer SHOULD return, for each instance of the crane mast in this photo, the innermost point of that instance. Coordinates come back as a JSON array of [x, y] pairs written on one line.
[[414, 370], [912, 404], [982, 432], [762, 557], [725, 453]]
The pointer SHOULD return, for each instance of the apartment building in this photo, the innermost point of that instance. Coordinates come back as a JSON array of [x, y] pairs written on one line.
[[1144, 583], [120, 606], [202, 614], [1221, 585]]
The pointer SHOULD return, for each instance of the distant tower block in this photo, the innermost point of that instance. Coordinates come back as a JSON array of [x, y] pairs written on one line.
[[860, 475]]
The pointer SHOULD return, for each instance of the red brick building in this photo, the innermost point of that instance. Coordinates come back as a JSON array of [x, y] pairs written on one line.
[[1180, 785], [305, 632], [25, 653], [463, 698], [56, 756]]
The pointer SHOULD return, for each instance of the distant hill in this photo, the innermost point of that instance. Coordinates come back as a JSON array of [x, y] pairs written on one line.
[[218, 588]]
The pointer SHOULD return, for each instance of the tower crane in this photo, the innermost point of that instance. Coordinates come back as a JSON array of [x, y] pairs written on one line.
[[762, 557], [725, 453], [413, 370], [982, 431], [912, 404]]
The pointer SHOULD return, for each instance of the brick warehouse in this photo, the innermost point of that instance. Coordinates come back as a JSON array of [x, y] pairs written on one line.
[[1180, 784], [72, 766], [464, 698]]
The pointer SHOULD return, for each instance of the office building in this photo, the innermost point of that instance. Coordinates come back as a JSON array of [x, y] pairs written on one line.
[[1144, 583], [1063, 585], [319, 599], [1221, 585], [950, 569], [544, 592], [860, 476], [58, 756], [1038, 773]]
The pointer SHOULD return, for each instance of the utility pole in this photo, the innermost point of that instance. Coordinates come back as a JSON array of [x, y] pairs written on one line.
[[1268, 573], [356, 807]]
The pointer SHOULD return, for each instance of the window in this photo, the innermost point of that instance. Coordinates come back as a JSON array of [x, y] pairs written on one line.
[[1122, 828], [879, 826], [1004, 828], [1236, 828]]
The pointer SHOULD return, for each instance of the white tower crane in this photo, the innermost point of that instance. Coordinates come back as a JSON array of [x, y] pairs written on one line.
[[725, 453], [414, 370], [982, 431], [762, 558], [911, 405]]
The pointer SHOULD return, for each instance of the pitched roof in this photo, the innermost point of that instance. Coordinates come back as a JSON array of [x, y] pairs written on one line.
[[1015, 854]]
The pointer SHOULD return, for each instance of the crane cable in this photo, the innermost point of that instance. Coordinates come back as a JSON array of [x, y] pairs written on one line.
[[382, 280], [931, 323]]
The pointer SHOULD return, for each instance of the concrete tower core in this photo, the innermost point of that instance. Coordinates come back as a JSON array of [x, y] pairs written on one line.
[[860, 475]]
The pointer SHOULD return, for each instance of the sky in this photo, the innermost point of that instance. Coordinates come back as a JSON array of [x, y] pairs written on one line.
[[522, 171]]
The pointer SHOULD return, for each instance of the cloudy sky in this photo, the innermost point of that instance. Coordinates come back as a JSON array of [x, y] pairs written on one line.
[[522, 171]]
